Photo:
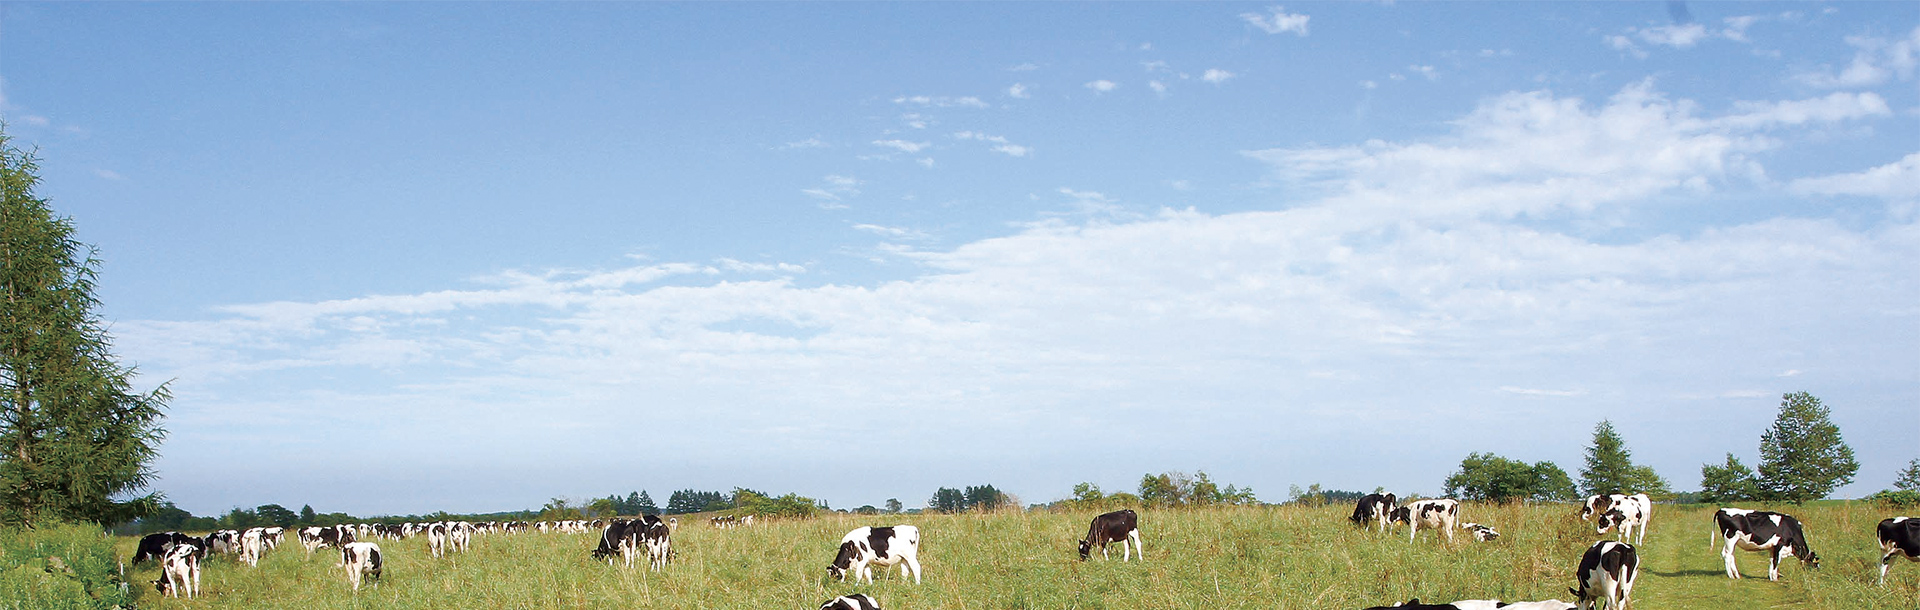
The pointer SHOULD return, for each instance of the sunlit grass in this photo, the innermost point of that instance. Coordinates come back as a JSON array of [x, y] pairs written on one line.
[[1282, 557]]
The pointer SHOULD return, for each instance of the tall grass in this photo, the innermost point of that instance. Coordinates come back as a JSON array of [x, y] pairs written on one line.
[[1276, 557]]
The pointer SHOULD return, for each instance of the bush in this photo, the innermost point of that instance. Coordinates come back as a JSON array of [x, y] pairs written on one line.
[[59, 567], [1900, 498]]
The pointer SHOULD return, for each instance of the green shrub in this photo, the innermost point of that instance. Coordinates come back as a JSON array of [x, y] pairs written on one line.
[[1896, 498], [57, 567]]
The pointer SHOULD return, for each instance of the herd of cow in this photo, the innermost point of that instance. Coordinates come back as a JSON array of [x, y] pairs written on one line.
[[1608, 568], [1605, 574]]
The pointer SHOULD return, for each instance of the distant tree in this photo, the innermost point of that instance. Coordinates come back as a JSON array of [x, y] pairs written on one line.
[[690, 501], [601, 507], [73, 434], [1489, 477], [1164, 490], [984, 497], [1313, 495], [644, 505], [894, 506], [276, 514], [306, 514], [1729, 482], [947, 500], [1802, 457], [167, 518], [1088, 494], [1609, 467], [559, 509], [1908, 479], [240, 519]]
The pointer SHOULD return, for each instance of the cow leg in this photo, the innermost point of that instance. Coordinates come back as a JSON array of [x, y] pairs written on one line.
[[1773, 565], [1137, 547], [1726, 552], [915, 564], [1886, 560]]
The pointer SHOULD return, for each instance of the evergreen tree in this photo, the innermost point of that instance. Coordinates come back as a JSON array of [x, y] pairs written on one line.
[[73, 435], [643, 505], [947, 500], [306, 514], [894, 505], [1609, 466], [1802, 457]]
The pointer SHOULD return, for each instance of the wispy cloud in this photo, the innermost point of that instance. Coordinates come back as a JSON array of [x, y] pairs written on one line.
[[1216, 76], [813, 142], [1102, 86], [1875, 61], [902, 145], [835, 190], [107, 174], [1018, 91], [1538, 392], [942, 101], [1277, 21]]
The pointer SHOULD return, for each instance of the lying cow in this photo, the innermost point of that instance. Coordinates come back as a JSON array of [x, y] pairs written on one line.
[[1774, 533], [156, 546], [886, 546], [1625, 512], [361, 559], [1606, 572], [180, 569], [1376, 508], [1898, 536], [1442, 514], [1481, 532], [1122, 526], [857, 601]]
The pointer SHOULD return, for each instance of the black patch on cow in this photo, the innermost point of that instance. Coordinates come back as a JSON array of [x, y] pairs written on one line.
[[1414, 604], [1617, 559], [1368, 505], [878, 538]]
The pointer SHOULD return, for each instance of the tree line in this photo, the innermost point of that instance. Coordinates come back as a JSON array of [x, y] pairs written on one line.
[[1802, 458]]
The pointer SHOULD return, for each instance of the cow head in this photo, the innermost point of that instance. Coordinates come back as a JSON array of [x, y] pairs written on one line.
[[1401, 515], [843, 561], [162, 585], [1086, 550], [1607, 520]]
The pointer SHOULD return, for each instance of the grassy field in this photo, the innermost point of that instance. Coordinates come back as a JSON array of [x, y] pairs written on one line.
[[1281, 557]]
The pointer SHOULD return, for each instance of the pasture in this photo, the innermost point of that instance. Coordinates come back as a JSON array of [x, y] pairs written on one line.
[[1270, 557]]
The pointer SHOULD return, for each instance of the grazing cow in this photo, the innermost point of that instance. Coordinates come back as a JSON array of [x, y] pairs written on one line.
[[222, 542], [1122, 526], [271, 536], [360, 559], [251, 544], [1481, 532], [1442, 514], [1606, 572], [459, 535], [1374, 507], [1775, 533], [628, 537], [179, 569], [156, 546], [658, 538], [886, 546], [334, 536], [1625, 512], [857, 601], [1898, 536]]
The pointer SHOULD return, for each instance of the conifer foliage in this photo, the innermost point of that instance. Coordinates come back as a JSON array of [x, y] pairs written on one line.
[[75, 440]]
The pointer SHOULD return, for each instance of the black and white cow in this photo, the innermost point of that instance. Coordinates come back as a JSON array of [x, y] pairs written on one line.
[[629, 537], [223, 541], [1376, 508], [1625, 512], [1122, 526], [886, 546], [1775, 533], [252, 543], [1442, 514], [857, 601], [1606, 572], [180, 569], [156, 546], [361, 559], [436, 538], [1898, 536], [1481, 532], [332, 536]]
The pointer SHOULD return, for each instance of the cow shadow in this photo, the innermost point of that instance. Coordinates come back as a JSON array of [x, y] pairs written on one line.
[[1720, 573]]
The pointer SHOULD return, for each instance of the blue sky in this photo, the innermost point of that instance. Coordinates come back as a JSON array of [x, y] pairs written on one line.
[[397, 258]]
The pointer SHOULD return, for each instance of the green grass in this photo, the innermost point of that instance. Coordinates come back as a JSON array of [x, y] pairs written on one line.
[[1284, 557]]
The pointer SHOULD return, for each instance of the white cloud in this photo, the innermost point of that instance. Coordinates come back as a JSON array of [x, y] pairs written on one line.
[[1026, 67], [1875, 61], [1426, 71], [926, 162], [941, 101], [108, 174], [1018, 91], [1897, 181], [1157, 87], [1216, 76], [813, 142], [836, 190], [892, 232], [1679, 36], [902, 145], [1278, 21], [1102, 86], [1537, 392]]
